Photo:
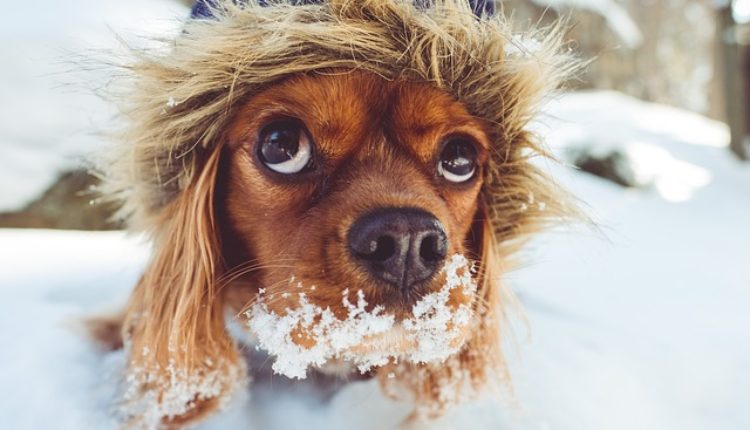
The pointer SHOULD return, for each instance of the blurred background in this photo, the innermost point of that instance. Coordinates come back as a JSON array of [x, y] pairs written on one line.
[[643, 325]]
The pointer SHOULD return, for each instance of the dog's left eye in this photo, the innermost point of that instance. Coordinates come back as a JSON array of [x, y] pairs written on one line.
[[458, 160], [284, 147]]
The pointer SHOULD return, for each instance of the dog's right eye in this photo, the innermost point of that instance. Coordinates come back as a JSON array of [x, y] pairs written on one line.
[[458, 161], [285, 147]]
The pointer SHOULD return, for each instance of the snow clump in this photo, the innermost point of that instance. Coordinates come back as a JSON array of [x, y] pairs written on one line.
[[366, 338]]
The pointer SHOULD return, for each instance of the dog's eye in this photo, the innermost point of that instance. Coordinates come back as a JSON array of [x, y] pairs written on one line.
[[285, 147], [458, 160]]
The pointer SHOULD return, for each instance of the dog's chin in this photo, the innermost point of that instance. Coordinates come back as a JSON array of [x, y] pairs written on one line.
[[397, 345], [308, 335]]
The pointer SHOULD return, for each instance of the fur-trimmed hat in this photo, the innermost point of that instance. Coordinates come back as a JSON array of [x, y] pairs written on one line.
[[180, 97], [178, 104]]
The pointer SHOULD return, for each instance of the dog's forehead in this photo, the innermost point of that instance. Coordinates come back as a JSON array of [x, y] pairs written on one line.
[[422, 115], [347, 110]]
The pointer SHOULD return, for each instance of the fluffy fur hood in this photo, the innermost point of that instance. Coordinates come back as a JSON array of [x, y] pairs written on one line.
[[180, 97]]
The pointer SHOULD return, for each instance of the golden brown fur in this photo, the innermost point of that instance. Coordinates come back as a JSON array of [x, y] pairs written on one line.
[[379, 85]]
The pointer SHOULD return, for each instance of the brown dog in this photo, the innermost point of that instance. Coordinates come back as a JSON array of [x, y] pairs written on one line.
[[348, 180]]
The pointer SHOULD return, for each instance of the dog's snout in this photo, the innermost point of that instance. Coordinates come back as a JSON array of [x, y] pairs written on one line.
[[399, 245]]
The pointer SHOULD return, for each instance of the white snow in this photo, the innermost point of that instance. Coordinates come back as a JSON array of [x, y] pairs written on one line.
[[741, 11], [53, 65], [309, 335], [643, 325], [331, 338], [174, 395], [645, 134]]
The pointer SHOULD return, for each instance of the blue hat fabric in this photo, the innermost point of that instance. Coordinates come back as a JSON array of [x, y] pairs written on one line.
[[202, 8]]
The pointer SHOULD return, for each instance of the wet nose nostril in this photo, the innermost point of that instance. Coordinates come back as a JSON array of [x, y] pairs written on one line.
[[431, 249], [380, 249]]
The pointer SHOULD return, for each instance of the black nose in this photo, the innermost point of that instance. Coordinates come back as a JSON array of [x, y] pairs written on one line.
[[399, 245]]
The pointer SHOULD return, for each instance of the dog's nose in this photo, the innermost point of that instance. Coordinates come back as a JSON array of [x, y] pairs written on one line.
[[399, 245]]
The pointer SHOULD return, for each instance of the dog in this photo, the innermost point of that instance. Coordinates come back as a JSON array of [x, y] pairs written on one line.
[[346, 180]]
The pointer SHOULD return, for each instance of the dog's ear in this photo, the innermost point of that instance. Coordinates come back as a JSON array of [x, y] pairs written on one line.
[[482, 357], [182, 361]]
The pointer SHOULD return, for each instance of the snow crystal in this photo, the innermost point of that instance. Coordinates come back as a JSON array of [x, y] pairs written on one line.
[[150, 396], [365, 338], [435, 325], [275, 333], [171, 102]]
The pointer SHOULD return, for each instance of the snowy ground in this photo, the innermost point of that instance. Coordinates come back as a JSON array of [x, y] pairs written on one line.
[[648, 329], [642, 326]]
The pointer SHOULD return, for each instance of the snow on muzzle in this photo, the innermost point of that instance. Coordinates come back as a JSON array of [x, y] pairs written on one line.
[[309, 335]]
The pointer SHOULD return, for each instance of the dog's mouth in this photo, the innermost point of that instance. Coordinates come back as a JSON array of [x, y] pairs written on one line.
[[368, 335]]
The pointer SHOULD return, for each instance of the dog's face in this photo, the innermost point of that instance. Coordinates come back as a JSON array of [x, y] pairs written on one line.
[[341, 183], [334, 211]]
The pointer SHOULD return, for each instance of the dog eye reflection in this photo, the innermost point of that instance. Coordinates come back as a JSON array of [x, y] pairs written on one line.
[[458, 161], [285, 147]]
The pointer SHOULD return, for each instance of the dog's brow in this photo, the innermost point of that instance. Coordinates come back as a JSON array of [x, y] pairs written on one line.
[[424, 116]]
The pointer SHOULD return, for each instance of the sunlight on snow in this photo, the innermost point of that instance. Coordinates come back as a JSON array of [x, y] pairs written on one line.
[[676, 180]]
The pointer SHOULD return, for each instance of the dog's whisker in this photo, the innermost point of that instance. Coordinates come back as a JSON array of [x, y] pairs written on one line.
[[223, 157], [239, 272], [227, 279], [270, 297], [256, 264]]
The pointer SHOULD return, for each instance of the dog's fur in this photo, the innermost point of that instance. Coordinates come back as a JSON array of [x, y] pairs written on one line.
[[379, 84]]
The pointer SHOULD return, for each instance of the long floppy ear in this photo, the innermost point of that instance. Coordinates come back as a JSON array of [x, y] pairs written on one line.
[[482, 358], [182, 362]]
